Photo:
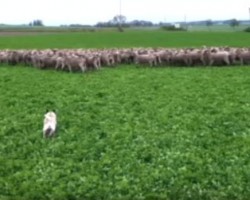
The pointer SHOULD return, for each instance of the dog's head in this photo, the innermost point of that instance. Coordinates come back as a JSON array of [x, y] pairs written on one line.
[[50, 114]]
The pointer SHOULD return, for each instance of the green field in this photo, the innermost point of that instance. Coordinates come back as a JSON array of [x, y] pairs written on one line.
[[130, 38], [217, 28], [126, 132]]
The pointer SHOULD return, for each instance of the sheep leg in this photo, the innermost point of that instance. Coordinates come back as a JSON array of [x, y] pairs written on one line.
[[211, 62], [69, 68], [227, 61], [83, 67], [57, 65]]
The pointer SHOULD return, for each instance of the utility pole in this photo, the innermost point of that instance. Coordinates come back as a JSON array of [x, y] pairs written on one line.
[[120, 14], [120, 7], [185, 21], [249, 13]]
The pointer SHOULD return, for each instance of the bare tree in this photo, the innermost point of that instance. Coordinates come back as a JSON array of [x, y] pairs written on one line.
[[119, 20]]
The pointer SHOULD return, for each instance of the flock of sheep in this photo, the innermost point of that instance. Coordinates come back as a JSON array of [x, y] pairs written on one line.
[[89, 59]]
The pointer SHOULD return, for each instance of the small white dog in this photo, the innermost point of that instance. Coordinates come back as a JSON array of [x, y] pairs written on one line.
[[49, 124]]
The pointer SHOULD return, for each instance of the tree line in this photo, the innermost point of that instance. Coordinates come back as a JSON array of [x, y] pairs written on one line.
[[121, 21]]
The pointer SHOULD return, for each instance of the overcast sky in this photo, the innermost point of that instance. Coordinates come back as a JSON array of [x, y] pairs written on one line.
[[57, 12]]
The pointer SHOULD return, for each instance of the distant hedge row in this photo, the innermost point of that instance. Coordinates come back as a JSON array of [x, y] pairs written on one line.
[[247, 29], [173, 28]]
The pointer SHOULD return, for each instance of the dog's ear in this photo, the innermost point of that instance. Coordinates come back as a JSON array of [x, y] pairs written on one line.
[[53, 110], [47, 110]]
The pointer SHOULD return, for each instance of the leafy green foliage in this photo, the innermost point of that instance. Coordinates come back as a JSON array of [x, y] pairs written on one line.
[[247, 29], [126, 133]]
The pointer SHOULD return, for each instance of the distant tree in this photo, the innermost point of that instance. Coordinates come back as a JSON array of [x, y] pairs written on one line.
[[36, 22], [119, 21], [234, 22], [209, 23], [116, 21], [140, 23]]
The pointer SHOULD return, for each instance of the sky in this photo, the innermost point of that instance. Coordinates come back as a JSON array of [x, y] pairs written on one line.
[[61, 12]]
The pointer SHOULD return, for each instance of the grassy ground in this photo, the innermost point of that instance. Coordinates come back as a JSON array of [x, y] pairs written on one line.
[[126, 133], [129, 38], [218, 28]]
